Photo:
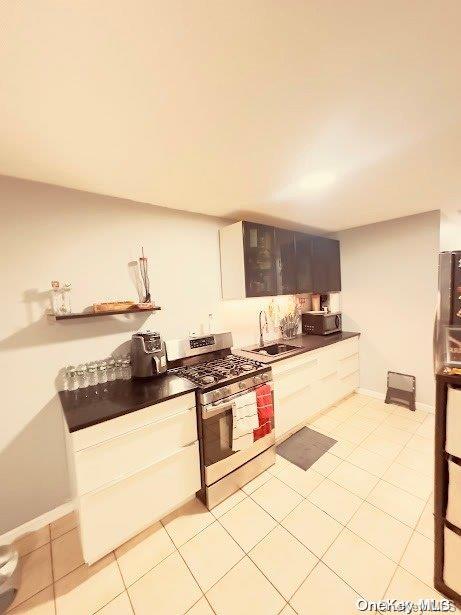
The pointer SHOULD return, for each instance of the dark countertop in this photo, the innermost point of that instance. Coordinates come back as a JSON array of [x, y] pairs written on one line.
[[96, 404], [304, 343]]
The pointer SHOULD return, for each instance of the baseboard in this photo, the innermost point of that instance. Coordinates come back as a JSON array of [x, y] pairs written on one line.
[[37, 523], [371, 393], [377, 395]]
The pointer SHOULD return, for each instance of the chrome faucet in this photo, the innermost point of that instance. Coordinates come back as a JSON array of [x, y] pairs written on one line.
[[261, 339]]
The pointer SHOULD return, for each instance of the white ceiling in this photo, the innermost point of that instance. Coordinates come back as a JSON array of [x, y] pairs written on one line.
[[325, 113]]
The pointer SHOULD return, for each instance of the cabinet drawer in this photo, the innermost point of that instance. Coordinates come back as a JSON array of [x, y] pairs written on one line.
[[109, 429], [452, 558], [295, 378], [308, 360], [348, 365], [125, 454], [347, 347], [454, 494], [350, 383], [294, 409], [453, 437], [111, 516], [328, 390], [328, 361]]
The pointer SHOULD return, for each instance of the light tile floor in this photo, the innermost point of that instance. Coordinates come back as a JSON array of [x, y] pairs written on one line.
[[356, 524]]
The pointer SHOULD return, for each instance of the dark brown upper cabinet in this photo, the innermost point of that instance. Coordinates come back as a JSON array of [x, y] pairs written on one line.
[[260, 261], [326, 265], [303, 246], [285, 262]]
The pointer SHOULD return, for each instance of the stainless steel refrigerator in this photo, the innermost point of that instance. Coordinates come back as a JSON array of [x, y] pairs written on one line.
[[447, 330], [447, 467]]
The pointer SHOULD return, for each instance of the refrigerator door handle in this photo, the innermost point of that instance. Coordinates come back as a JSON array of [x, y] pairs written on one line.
[[435, 339]]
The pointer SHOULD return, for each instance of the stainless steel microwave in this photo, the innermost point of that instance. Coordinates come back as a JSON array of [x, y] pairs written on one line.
[[321, 323]]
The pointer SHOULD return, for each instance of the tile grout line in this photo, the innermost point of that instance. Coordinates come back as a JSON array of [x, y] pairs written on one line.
[[319, 559], [393, 460], [52, 572], [123, 581], [344, 525], [349, 491], [403, 553], [378, 480], [278, 523], [186, 564], [40, 590], [111, 600], [247, 554], [64, 533]]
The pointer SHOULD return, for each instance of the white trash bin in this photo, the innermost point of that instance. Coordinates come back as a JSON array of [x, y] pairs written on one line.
[[10, 576]]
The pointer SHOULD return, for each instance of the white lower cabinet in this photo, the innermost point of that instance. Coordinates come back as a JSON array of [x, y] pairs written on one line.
[[453, 430], [451, 560], [131, 471], [127, 453], [110, 516], [453, 513], [307, 384]]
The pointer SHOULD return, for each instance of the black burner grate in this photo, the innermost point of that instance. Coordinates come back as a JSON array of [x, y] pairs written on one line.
[[211, 372]]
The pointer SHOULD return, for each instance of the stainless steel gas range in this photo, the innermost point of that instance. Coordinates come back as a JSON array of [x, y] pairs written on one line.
[[237, 438]]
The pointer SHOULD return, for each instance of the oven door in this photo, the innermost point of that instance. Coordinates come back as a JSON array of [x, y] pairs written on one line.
[[331, 323], [219, 458]]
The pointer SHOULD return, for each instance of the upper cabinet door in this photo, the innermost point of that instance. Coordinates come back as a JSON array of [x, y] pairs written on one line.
[[303, 245], [259, 256], [326, 266], [261, 261], [285, 261]]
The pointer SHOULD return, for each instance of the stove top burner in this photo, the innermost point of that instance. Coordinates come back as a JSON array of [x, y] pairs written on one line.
[[218, 370]]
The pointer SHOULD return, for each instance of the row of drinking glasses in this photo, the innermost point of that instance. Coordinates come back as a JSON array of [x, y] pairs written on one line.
[[97, 372]]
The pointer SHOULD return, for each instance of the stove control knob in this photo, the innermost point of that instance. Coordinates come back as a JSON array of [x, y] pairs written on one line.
[[257, 380], [242, 385]]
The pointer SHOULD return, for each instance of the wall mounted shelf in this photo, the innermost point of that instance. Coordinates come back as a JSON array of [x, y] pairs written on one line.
[[97, 314]]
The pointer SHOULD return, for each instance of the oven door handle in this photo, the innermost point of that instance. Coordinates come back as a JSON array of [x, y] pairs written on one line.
[[214, 411]]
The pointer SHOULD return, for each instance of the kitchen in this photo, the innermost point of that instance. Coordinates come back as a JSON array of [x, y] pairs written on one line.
[[128, 556]]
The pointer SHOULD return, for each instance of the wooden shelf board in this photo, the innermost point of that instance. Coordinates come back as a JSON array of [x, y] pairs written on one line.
[[96, 314]]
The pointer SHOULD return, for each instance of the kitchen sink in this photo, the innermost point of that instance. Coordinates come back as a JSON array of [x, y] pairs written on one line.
[[275, 349]]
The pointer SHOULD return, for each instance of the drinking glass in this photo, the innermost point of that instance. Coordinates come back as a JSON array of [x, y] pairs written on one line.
[[126, 368], [111, 373], [92, 374], [71, 378], [82, 376], [102, 372]]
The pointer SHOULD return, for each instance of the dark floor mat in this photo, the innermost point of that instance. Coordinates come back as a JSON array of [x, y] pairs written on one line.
[[304, 447]]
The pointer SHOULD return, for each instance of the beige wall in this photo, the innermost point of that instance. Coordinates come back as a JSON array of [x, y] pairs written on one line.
[[389, 280], [54, 233], [450, 230]]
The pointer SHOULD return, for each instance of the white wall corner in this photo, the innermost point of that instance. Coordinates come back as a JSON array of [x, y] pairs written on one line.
[[37, 523]]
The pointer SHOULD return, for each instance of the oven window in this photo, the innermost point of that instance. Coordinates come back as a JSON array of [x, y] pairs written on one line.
[[217, 437]]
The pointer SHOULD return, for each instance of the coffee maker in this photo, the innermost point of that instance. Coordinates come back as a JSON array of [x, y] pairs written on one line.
[[148, 356]]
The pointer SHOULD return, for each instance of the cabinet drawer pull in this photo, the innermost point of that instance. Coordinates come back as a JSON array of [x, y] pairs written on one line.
[[356, 371], [289, 370], [302, 388], [330, 375], [123, 477], [138, 428], [349, 356]]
